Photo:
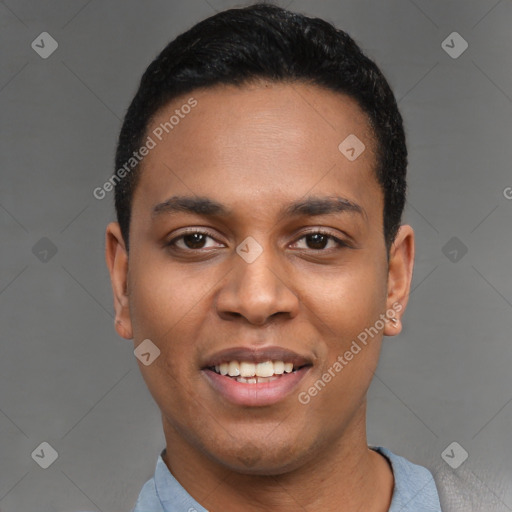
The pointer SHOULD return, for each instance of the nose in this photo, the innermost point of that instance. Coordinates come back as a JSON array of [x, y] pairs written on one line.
[[257, 291]]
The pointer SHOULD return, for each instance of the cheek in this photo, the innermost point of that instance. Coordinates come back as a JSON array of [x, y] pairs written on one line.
[[164, 307], [348, 305], [349, 299], [165, 298]]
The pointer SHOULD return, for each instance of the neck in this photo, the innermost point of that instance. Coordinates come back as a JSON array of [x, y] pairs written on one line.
[[346, 476]]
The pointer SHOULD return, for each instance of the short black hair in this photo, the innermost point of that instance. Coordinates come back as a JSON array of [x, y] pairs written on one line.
[[263, 41]]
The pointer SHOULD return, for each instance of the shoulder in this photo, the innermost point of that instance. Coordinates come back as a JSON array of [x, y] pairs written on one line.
[[460, 490], [471, 489]]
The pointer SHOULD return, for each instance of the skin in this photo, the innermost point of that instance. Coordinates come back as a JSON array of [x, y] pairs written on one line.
[[255, 149]]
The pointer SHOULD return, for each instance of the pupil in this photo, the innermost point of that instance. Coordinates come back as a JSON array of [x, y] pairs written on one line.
[[195, 239], [318, 238]]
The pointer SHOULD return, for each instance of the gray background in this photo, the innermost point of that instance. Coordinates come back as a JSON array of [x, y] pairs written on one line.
[[67, 378]]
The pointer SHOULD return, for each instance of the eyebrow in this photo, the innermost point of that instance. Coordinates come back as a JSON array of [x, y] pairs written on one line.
[[310, 206]]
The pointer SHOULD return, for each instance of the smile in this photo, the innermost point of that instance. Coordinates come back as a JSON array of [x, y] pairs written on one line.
[[252, 378], [250, 373]]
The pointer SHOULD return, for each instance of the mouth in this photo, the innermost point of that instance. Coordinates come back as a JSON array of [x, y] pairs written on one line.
[[255, 377], [247, 372]]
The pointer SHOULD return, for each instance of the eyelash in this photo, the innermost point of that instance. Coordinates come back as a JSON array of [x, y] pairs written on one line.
[[340, 243]]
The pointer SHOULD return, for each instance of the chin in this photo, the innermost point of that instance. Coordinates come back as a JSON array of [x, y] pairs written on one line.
[[260, 458]]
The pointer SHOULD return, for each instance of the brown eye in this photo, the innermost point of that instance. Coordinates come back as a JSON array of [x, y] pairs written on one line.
[[319, 241], [192, 241]]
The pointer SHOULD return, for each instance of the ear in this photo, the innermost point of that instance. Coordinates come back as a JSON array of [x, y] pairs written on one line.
[[400, 269], [117, 263]]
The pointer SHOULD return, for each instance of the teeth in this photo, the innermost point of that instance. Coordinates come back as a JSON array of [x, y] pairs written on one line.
[[265, 369], [267, 379], [247, 369], [248, 372], [254, 380], [278, 367], [234, 369]]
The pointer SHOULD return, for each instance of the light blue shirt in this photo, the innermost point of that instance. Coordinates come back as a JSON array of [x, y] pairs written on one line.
[[415, 489]]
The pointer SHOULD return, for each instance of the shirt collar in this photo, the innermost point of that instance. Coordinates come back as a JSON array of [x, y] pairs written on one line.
[[414, 487], [170, 492]]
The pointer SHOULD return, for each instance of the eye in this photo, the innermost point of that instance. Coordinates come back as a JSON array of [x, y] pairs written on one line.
[[191, 240], [196, 240], [319, 240]]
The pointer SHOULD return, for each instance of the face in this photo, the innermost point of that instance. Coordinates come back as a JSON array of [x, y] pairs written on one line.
[[257, 250]]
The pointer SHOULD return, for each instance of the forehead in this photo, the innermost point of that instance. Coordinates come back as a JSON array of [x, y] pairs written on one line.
[[263, 143]]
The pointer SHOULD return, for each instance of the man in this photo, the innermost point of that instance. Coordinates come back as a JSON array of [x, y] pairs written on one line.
[[258, 261]]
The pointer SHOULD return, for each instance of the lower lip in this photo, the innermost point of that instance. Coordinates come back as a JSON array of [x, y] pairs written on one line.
[[259, 394]]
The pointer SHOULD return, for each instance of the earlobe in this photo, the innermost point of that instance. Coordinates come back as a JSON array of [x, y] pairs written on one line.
[[393, 326], [400, 270], [122, 330], [117, 262]]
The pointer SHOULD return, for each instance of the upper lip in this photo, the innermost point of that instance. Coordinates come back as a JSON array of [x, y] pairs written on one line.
[[257, 355]]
